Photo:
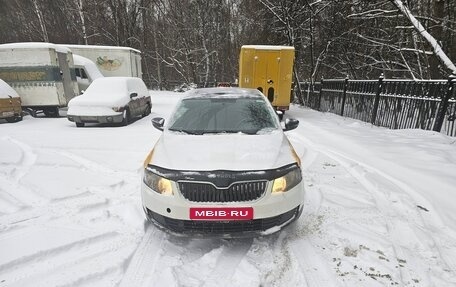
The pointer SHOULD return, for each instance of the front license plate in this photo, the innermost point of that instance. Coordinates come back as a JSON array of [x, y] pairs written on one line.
[[221, 213], [93, 119], [8, 114]]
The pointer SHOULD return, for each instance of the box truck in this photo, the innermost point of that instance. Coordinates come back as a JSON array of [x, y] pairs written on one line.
[[268, 69], [112, 61], [41, 73]]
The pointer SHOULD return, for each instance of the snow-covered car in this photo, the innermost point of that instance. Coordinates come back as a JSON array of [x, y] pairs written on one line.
[[185, 87], [110, 100], [10, 103], [223, 165]]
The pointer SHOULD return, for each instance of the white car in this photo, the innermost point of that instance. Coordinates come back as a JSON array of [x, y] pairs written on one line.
[[223, 165], [110, 100]]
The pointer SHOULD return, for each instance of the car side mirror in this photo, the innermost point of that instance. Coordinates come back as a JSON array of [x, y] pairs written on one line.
[[291, 124], [133, 95], [158, 123]]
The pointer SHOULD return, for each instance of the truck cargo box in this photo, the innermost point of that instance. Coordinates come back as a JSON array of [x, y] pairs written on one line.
[[112, 61], [41, 73], [268, 69]]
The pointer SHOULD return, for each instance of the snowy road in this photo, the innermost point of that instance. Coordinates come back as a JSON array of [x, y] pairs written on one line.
[[379, 210]]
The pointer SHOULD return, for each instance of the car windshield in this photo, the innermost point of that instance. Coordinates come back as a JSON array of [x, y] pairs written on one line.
[[223, 115]]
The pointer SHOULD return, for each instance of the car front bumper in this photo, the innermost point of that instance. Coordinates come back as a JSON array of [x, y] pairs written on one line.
[[10, 114], [270, 212], [96, 119]]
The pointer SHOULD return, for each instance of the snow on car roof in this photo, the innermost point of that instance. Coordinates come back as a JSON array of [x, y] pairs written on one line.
[[223, 92], [35, 45], [108, 85], [113, 86], [96, 47], [268, 47], [6, 91]]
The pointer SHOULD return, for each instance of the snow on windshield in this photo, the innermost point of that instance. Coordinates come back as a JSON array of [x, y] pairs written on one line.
[[223, 115]]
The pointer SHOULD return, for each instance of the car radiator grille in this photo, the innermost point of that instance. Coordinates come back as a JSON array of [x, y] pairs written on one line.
[[236, 192]]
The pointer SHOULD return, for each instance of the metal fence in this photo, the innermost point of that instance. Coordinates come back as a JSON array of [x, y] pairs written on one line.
[[396, 104]]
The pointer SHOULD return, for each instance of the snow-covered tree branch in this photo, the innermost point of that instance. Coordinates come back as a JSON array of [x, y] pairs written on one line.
[[438, 51]]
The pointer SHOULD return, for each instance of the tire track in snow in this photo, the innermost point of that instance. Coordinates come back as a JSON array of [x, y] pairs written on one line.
[[30, 216], [63, 265], [227, 262], [314, 267], [315, 271], [129, 180], [361, 173], [52, 252], [97, 167], [23, 194], [28, 158], [145, 259]]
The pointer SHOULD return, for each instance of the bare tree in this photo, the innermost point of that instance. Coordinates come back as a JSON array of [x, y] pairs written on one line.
[[41, 20], [438, 51], [79, 4], [199, 40]]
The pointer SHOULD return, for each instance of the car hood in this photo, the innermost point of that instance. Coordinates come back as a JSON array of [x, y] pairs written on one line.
[[222, 151]]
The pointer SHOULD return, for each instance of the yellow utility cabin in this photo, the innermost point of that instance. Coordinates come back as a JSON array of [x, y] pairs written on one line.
[[268, 69]]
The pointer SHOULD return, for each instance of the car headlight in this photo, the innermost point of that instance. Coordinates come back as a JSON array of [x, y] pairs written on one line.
[[157, 183], [118, 109], [288, 181]]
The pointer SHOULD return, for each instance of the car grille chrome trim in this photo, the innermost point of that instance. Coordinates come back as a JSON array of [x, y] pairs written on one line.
[[236, 192]]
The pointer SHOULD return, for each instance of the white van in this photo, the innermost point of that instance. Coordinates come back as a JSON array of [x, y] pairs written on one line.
[[86, 72]]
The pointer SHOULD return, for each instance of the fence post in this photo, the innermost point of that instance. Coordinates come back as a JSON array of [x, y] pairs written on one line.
[[320, 95], [444, 105], [377, 99], [344, 96]]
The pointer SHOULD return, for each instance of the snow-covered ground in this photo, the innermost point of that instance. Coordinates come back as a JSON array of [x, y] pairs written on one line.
[[380, 210]]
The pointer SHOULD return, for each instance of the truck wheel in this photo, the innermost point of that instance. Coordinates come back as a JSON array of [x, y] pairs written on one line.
[[80, 125], [15, 118], [52, 112], [126, 117], [29, 111]]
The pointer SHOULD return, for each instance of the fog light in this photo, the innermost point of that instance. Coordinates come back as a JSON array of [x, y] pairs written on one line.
[[109, 119]]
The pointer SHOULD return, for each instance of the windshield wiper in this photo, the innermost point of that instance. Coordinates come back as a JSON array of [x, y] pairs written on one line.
[[220, 132], [186, 131]]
